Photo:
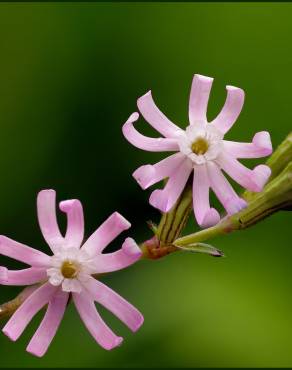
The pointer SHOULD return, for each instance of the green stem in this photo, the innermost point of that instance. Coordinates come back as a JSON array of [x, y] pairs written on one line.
[[201, 235], [276, 196], [277, 162], [281, 157]]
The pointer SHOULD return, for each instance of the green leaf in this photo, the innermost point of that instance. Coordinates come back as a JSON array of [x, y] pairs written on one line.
[[201, 248]]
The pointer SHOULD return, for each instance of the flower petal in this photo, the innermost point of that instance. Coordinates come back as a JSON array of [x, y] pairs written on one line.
[[75, 222], [45, 333], [28, 276], [94, 323], [205, 215], [3, 275], [29, 308], [148, 175], [144, 142], [55, 276], [71, 285], [253, 180], [165, 199], [231, 109], [124, 257], [261, 146], [106, 232], [46, 206], [20, 252], [155, 117], [116, 304], [199, 97], [223, 190]]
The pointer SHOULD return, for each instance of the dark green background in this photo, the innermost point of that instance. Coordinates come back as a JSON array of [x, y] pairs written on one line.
[[69, 77]]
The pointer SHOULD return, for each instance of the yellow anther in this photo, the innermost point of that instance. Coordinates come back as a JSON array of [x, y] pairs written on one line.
[[69, 270], [200, 146]]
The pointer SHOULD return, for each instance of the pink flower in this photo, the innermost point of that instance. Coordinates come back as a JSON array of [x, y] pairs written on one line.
[[202, 151], [68, 272]]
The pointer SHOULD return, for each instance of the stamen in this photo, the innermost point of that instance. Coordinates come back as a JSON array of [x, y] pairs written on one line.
[[200, 146], [69, 269]]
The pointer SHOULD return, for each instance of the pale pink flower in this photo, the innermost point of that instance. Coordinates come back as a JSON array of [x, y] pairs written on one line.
[[202, 151], [68, 272]]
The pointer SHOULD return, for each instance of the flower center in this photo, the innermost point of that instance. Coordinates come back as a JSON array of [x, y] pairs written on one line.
[[69, 269], [200, 146]]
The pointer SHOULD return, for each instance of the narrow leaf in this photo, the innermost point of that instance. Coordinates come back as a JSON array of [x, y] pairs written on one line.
[[201, 248]]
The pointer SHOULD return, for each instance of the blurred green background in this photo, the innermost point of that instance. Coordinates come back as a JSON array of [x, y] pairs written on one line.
[[70, 75]]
